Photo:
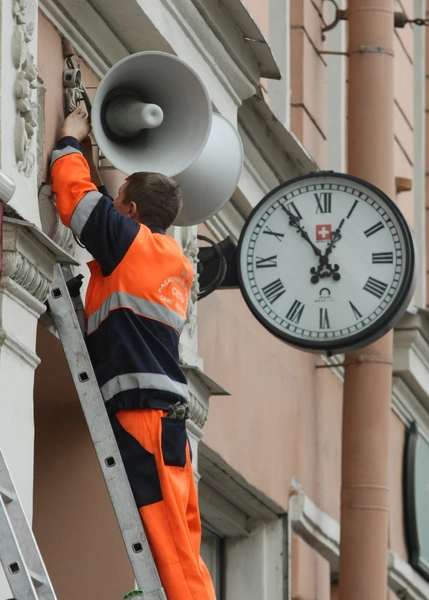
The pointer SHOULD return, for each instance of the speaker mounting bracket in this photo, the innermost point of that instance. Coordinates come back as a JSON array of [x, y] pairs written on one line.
[[217, 266]]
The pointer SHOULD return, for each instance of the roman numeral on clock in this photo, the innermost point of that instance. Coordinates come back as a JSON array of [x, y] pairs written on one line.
[[295, 311], [375, 287], [371, 230], [324, 202], [277, 235], [292, 209], [324, 319], [352, 209], [270, 261], [274, 290], [355, 311], [379, 258]]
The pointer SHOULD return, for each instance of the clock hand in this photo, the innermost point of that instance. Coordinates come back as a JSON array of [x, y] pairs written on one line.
[[294, 221], [335, 237], [324, 269]]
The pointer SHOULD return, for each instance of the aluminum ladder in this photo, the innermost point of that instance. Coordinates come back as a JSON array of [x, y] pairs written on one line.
[[19, 553], [64, 311]]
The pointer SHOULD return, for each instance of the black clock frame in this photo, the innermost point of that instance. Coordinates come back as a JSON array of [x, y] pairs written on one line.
[[386, 321]]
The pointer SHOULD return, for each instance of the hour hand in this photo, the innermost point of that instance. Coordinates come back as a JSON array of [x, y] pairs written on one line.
[[294, 221], [335, 237]]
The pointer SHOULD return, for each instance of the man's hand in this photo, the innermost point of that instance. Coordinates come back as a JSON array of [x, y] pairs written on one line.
[[76, 124]]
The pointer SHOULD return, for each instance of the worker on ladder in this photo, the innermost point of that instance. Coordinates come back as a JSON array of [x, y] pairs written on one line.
[[135, 309]]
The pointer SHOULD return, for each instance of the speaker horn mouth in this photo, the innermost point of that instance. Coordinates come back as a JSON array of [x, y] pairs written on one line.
[[124, 115]]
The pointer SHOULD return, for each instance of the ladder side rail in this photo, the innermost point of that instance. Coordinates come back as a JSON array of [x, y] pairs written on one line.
[[109, 458], [19, 553]]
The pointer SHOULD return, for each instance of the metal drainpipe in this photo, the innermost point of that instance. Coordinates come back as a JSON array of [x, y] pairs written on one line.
[[368, 372]]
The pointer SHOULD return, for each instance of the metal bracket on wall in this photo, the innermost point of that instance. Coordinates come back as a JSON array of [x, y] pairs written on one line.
[[400, 19], [74, 90]]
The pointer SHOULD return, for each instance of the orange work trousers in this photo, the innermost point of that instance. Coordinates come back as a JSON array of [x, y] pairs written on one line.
[[156, 455]]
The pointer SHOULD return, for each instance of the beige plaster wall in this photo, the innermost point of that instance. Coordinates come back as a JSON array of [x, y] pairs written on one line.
[[403, 111], [283, 417], [51, 66], [311, 577], [260, 13], [73, 520], [308, 79]]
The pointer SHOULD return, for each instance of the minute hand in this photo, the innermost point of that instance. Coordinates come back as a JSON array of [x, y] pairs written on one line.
[[294, 221]]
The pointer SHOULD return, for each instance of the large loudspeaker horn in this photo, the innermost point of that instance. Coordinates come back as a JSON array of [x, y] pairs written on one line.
[[210, 181], [151, 112]]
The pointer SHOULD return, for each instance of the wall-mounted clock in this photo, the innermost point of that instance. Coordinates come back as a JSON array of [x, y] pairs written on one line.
[[326, 262]]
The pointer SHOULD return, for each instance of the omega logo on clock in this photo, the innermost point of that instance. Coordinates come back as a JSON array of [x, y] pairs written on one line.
[[326, 262]]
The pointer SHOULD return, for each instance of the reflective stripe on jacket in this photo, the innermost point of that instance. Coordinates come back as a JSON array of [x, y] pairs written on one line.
[[137, 295]]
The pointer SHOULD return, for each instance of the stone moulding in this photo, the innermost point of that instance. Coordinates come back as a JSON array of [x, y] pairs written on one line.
[[29, 257]]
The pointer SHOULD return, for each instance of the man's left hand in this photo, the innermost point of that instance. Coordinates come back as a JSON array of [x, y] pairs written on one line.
[[76, 124]]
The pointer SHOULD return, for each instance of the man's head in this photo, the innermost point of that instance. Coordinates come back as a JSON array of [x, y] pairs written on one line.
[[150, 198]]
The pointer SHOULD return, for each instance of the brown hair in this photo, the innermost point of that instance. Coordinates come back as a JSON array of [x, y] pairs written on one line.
[[158, 198]]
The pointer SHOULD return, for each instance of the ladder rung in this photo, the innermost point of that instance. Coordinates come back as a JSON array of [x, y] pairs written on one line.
[[37, 579], [69, 331], [6, 495], [19, 553]]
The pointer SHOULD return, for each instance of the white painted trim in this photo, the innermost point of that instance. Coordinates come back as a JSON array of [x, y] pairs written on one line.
[[336, 90], [335, 363], [322, 532], [279, 92], [317, 528], [408, 408], [411, 356], [404, 581]]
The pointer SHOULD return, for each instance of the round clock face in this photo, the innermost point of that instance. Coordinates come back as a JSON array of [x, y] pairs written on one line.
[[326, 262]]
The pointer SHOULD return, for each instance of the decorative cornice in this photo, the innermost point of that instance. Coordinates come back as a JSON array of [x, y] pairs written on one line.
[[201, 388], [21, 270], [29, 256]]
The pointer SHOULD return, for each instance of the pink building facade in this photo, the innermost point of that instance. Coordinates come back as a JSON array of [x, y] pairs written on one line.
[[266, 419]]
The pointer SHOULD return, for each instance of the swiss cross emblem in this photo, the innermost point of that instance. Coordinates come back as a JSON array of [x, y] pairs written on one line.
[[323, 233]]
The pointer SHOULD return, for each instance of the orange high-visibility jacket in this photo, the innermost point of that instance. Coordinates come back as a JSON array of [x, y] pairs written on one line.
[[137, 295]]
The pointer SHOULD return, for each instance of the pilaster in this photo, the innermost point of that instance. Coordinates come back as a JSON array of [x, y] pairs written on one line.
[[28, 260], [19, 113], [201, 387]]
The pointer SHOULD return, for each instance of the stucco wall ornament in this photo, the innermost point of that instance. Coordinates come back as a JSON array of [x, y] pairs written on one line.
[[198, 410], [21, 270], [51, 222], [25, 16]]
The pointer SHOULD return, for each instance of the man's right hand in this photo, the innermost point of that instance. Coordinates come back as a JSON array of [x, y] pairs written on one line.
[[76, 124]]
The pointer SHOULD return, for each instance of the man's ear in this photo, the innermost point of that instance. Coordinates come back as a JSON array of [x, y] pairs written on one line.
[[132, 210]]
